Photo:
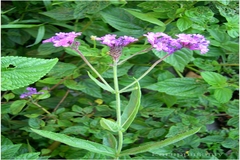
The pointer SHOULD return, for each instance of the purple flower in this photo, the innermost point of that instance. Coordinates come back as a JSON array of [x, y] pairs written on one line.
[[163, 42], [30, 92], [116, 44], [63, 39], [194, 42]]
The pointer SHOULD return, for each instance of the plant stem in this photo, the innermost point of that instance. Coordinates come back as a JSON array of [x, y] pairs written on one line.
[[93, 69], [118, 107], [144, 74], [41, 107]]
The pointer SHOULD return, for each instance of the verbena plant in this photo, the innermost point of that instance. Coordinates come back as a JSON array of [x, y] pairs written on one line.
[[110, 122]]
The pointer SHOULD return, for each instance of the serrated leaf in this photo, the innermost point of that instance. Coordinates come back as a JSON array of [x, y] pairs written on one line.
[[223, 95], [9, 151], [184, 23], [17, 106], [149, 146], [109, 125], [131, 110], [214, 79], [178, 59], [22, 71], [76, 142], [188, 87], [145, 17], [100, 84], [91, 88]]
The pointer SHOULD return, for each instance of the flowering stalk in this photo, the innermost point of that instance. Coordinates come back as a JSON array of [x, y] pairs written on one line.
[[118, 106]]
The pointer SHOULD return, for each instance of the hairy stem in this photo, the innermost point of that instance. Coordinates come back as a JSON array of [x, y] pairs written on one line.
[[118, 106]]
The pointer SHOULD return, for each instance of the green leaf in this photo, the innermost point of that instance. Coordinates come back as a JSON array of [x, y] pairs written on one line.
[[218, 35], [178, 59], [131, 110], [184, 23], [89, 7], [61, 70], [41, 32], [223, 95], [152, 145], [122, 20], [19, 25], [71, 84], [76, 142], [214, 79], [100, 84], [91, 88], [229, 143], [21, 71], [28, 156], [146, 17], [110, 140], [9, 151], [17, 106], [109, 125], [60, 13], [188, 87]]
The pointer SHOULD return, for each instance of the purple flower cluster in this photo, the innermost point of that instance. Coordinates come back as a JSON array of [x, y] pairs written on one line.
[[116, 44], [63, 39], [30, 92], [163, 42], [111, 41]]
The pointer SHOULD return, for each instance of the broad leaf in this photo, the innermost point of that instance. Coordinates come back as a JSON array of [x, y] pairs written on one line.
[[34, 155], [178, 59], [214, 79], [100, 84], [17, 106], [152, 145], [184, 23], [188, 87], [122, 20], [223, 95], [132, 108], [21, 71], [76, 142], [9, 151]]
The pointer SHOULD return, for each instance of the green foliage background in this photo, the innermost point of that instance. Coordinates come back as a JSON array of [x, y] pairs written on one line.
[[186, 90]]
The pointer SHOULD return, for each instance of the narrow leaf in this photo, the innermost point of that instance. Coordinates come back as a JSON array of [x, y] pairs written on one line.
[[100, 84], [146, 17], [152, 145], [22, 71], [41, 32], [76, 142], [132, 108]]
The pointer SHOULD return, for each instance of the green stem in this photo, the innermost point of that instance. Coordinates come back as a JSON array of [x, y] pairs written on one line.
[[179, 74], [118, 107], [193, 69], [41, 107], [93, 69], [144, 74]]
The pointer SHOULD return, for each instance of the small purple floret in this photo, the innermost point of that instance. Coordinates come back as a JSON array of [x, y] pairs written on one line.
[[111, 40], [63, 39], [30, 92]]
